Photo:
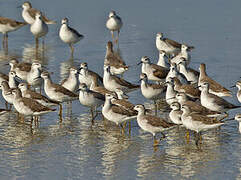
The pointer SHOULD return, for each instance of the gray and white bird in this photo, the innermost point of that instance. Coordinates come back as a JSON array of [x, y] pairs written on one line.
[[175, 114], [69, 35], [71, 81], [114, 23]]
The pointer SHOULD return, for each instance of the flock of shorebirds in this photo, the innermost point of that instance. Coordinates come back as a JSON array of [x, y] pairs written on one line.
[[195, 99]]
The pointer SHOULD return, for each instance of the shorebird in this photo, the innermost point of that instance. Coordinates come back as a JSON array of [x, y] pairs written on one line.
[[190, 74], [195, 106], [171, 47], [69, 35], [188, 89], [114, 23], [238, 85], [173, 72], [21, 68], [161, 61], [212, 101], [33, 74], [215, 88], [151, 123], [27, 106], [36, 96], [57, 92], [8, 25], [112, 59], [90, 99], [112, 82], [100, 89], [39, 28], [7, 94], [115, 113], [238, 118], [197, 122], [170, 92], [12, 81], [183, 54], [176, 113], [152, 91], [29, 14], [87, 76], [71, 81], [153, 71]]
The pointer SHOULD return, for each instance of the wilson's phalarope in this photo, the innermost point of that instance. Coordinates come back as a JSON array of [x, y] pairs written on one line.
[[87, 76], [114, 23], [214, 87], [170, 93], [238, 118], [100, 89], [183, 54], [173, 72], [188, 89], [171, 47], [57, 92], [12, 81], [69, 35], [176, 113], [112, 82], [36, 96], [115, 113], [151, 123], [21, 68], [153, 71], [39, 28], [214, 102], [29, 14], [71, 81], [161, 61], [33, 74], [27, 106], [238, 85], [8, 25], [197, 122], [90, 99], [7, 94], [190, 74], [112, 59]]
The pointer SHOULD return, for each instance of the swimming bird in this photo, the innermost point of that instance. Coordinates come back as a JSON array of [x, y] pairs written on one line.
[[152, 124], [8, 25], [29, 14], [153, 71], [214, 87], [212, 101], [114, 60], [69, 35], [112, 82], [114, 23]]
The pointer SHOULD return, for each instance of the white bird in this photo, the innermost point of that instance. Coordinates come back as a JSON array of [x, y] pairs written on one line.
[[69, 35], [176, 114], [114, 23]]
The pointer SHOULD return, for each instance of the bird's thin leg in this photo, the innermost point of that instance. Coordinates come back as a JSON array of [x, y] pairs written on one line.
[[129, 127], [3, 42], [117, 38], [10, 106], [6, 42], [92, 115], [6, 104], [36, 44], [112, 35], [155, 104], [188, 136], [155, 141], [122, 129], [71, 50], [60, 112]]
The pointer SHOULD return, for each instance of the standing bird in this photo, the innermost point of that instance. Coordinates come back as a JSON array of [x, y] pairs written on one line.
[[214, 102], [69, 35], [151, 123], [114, 23], [71, 81], [8, 25], [39, 28], [29, 14], [171, 47], [238, 85]]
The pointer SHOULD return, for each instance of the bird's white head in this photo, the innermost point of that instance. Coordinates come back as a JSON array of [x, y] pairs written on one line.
[[112, 14], [26, 5], [65, 21]]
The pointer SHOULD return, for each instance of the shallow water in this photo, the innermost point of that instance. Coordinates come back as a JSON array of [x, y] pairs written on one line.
[[74, 149]]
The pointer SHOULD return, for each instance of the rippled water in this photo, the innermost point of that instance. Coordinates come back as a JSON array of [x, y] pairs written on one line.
[[74, 149]]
